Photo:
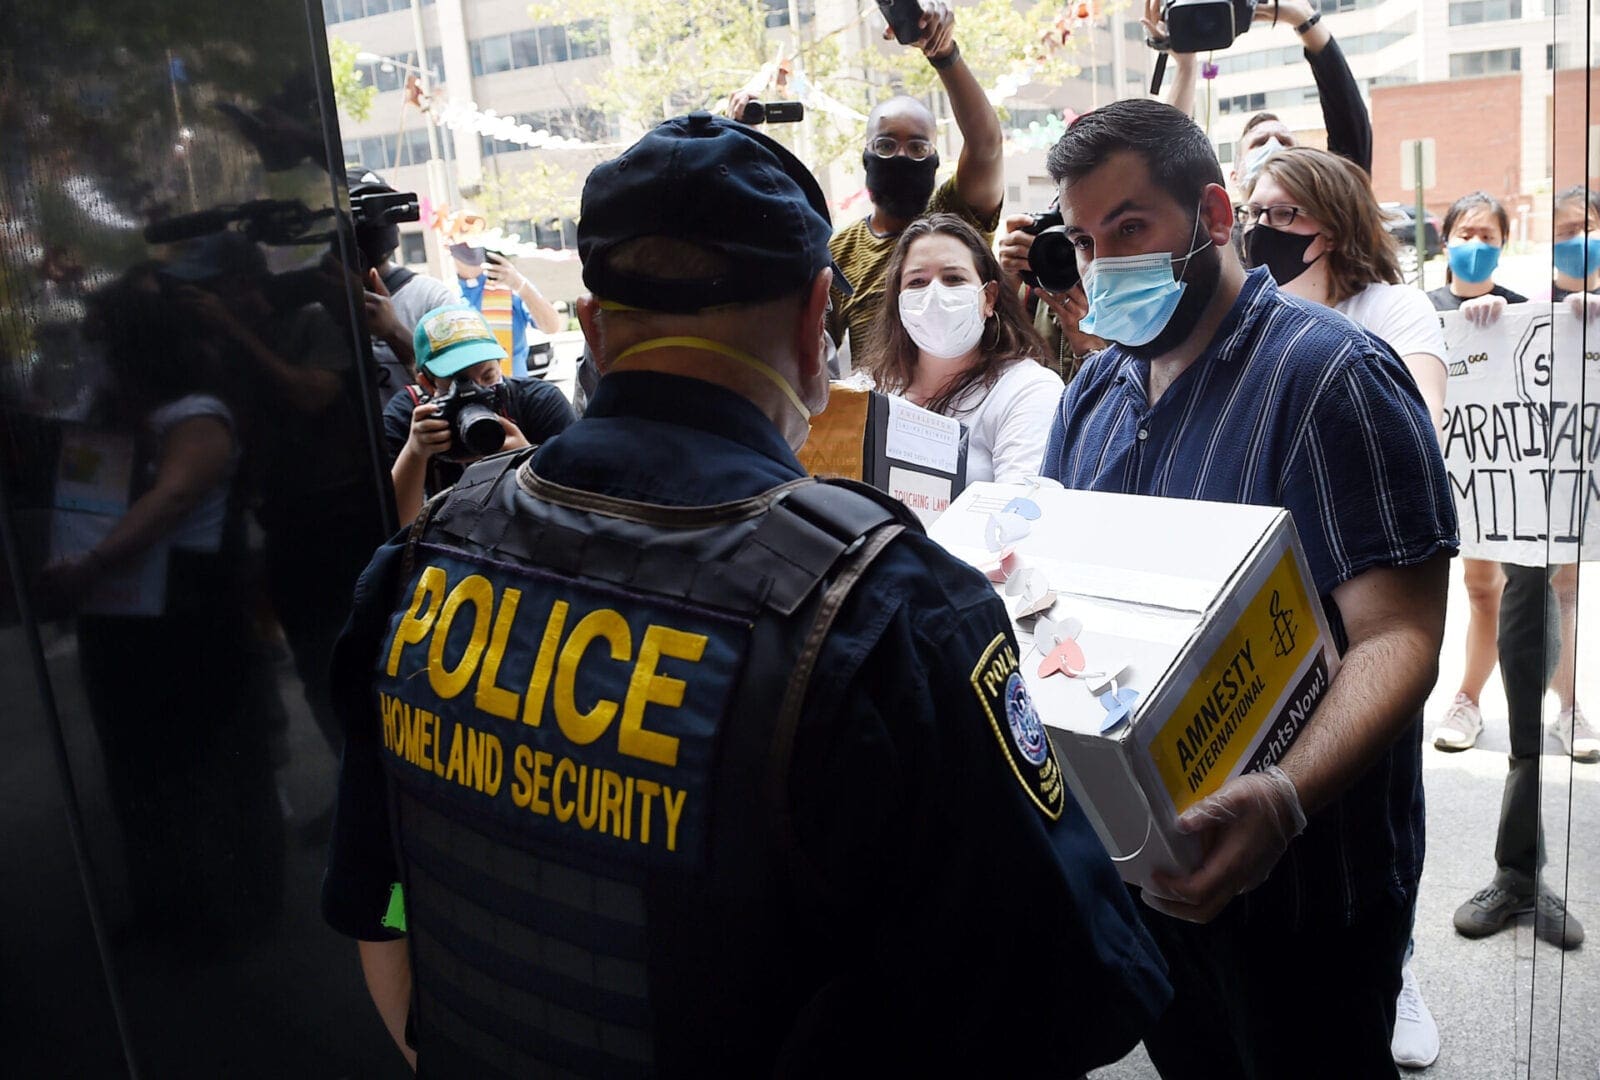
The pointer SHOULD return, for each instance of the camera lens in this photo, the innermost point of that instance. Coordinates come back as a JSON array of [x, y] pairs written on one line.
[[1053, 260], [479, 430]]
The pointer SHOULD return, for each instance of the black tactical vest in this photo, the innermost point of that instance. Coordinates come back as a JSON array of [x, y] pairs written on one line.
[[588, 709]]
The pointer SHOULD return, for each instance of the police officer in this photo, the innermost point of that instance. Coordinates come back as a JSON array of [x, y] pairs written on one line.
[[666, 759]]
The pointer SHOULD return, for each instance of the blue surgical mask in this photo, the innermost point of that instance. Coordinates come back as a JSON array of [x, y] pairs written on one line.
[[1257, 158], [1132, 297], [1569, 255], [1473, 261]]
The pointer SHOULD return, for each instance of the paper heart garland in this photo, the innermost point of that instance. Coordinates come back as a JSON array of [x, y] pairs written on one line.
[[1028, 592], [1118, 704]]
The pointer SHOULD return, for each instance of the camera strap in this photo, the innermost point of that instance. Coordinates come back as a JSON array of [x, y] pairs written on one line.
[[397, 279]]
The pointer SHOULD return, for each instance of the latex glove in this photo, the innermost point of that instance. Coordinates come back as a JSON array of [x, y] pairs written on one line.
[[1244, 829], [1585, 305], [1483, 311]]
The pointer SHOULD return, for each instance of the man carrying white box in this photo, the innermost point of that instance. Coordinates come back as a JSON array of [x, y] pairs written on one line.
[[1286, 941]]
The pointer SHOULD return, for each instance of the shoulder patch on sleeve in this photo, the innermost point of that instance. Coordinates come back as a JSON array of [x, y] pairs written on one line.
[[997, 680]]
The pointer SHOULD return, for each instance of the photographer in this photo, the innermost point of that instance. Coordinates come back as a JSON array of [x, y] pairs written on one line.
[[457, 354], [395, 297], [1056, 310], [901, 164], [1344, 114], [486, 280]]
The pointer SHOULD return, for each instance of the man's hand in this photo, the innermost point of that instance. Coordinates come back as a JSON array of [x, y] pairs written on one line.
[[429, 434], [938, 29], [208, 309], [515, 439], [1244, 829], [1015, 244], [734, 107], [501, 272], [1290, 13], [382, 322], [1483, 311]]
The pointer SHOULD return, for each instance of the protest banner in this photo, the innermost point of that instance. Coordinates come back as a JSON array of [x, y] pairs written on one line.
[[1522, 407]]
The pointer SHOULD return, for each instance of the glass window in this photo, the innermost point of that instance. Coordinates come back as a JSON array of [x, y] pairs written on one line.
[[413, 248], [1487, 62], [491, 55], [553, 43], [587, 38], [525, 49]]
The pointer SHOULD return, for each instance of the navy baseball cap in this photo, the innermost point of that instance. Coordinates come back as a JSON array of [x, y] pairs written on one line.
[[718, 184]]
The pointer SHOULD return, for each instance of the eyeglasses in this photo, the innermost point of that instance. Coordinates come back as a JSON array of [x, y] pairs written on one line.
[[1273, 217], [887, 146]]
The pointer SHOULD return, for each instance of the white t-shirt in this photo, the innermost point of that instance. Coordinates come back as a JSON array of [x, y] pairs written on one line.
[[1009, 425], [201, 529], [1400, 315]]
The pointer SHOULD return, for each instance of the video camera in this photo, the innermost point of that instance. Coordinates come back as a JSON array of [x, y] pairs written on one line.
[[1195, 26], [773, 112], [473, 413], [284, 222], [1052, 260]]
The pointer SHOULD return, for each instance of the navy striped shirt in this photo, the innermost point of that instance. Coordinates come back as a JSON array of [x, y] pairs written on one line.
[[1291, 405]]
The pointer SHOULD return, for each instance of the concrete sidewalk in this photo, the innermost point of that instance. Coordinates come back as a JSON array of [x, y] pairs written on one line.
[[1508, 1005]]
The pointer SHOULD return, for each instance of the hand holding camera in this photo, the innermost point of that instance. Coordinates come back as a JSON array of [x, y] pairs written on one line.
[[928, 24], [501, 272], [464, 424], [1037, 250]]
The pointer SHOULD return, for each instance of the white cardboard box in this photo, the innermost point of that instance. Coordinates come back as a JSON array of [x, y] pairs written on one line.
[[1207, 610]]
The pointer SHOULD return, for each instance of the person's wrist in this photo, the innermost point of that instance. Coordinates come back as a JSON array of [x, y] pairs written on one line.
[[947, 58], [1306, 24]]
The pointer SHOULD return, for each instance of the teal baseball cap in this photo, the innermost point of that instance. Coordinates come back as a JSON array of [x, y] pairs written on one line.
[[452, 338]]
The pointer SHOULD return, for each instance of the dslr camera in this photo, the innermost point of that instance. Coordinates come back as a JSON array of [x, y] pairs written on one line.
[[1205, 25], [473, 413], [1052, 260]]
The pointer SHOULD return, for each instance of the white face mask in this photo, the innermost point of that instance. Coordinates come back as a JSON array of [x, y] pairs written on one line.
[[1258, 157], [944, 320]]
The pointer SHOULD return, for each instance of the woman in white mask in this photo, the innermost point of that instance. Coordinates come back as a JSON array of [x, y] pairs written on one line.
[[953, 338]]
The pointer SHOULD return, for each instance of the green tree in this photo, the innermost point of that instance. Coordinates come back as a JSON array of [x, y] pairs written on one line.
[[545, 191], [671, 58], [350, 90]]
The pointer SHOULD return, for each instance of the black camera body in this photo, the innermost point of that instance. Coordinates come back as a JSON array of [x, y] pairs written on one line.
[[773, 112], [1052, 260], [1205, 25], [904, 18], [473, 413]]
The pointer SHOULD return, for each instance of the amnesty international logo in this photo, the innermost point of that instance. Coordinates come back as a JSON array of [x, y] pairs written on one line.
[[1284, 627]]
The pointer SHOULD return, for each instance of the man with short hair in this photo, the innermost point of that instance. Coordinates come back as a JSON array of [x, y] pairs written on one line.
[[1286, 940], [901, 159], [396, 296], [752, 785]]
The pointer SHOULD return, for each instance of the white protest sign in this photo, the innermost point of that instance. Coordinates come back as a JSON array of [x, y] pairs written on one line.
[[1521, 433]]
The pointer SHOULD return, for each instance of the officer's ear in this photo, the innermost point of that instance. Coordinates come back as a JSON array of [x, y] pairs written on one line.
[[588, 319], [809, 351]]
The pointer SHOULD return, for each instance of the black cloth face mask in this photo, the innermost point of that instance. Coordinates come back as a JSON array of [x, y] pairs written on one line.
[[1282, 253], [899, 186]]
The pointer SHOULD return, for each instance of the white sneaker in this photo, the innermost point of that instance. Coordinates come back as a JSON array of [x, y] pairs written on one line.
[[1576, 736], [1415, 1044], [1460, 727]]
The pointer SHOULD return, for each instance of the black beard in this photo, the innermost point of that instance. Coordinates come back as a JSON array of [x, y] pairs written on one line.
[[899, 186], [1204, 272]]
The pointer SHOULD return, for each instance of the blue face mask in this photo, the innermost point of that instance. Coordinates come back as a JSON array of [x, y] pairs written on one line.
[[1473, 261], [1132, 297], [1569, 255]]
